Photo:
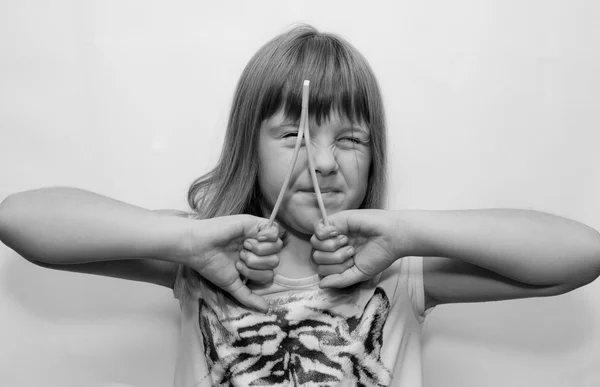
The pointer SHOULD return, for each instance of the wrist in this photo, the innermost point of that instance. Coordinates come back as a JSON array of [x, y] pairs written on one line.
[[178, 239], [411, 234]]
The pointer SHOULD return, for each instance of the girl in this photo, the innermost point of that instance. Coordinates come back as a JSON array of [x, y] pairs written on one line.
[[325, 305]]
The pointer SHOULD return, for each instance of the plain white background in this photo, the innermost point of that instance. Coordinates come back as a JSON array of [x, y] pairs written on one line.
[[490, 104]]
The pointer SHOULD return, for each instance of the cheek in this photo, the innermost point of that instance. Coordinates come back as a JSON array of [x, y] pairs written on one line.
[[273, 166], [356, 166], [269, 180]]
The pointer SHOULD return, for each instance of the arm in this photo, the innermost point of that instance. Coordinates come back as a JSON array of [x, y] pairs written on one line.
[[162, 273], [483, 255], [72, 226], [469, 256], [528, 246], [99, 235]]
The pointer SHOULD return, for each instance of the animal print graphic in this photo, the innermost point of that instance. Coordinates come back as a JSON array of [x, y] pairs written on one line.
[[298, 343]]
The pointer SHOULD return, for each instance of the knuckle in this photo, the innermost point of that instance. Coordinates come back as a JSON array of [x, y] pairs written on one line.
[[271, 261], [342, 240], [258, 249], [250, 244], [336, 243], [269, 275], [328, 245], [269, 249], [251, 260], [348, 264], [319, 257], [322, 270], [253, 275], [321, 233], [339, 257], [264, 276], [278, 245], [262, 249], [274, 232], [243, 269], [319, 246], [269, 233], [243, 255]]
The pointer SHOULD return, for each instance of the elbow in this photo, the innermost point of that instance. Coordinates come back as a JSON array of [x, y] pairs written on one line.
[[596, 265], [4, 214], [592, 270], [9, 225], [595, 255], [580, 282], [583, 271], [589, 266]]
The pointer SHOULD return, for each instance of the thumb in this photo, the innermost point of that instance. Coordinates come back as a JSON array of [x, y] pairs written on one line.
[[337, 224], [272, 233], [343, 220], [349, 277], [244, 295]]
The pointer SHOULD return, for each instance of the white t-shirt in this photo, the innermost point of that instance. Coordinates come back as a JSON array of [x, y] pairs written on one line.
[[369, 334]]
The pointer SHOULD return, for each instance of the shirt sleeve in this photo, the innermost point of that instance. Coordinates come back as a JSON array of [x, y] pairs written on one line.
[[412, 271]]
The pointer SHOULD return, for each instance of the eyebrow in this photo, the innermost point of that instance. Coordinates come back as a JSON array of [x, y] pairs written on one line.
[[296, 124], [287, 123]]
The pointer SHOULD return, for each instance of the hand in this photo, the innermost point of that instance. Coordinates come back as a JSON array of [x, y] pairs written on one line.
[[216, 245], [366, 244], [259, 255]]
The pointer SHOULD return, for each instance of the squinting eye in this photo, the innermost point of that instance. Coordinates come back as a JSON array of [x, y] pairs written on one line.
[[290, 135], [354, 140]]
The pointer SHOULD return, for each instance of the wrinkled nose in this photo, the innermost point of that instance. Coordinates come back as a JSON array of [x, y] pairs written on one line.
[[324, 160]]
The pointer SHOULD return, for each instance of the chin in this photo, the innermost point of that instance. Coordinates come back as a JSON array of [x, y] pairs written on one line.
[[303, 226], [300, 222]]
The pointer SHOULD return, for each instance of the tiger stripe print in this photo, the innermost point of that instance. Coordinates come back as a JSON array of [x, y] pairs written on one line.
[[298, 343]]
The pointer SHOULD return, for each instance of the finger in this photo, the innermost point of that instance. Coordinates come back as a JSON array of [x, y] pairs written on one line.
[[323, 232], [325, 270], [263, 248], [331, 244], [245, 296], [270, 234], [345, 279], [336, 257], [259, 276], [266, 262]]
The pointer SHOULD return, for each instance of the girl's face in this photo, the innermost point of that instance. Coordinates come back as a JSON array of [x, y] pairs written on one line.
[[341, 155]]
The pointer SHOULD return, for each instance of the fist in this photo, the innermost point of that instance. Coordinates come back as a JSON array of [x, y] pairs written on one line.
[[331, 251], [356, 246], [258, 257]]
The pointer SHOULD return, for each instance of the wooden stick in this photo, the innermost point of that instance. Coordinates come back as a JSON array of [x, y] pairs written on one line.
[[313, 173], [302, 130], [286, 181]]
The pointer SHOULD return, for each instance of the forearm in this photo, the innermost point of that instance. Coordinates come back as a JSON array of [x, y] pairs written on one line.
[[67, 225], [527, 246]]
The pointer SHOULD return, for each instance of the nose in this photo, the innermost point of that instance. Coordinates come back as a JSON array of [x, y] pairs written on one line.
[[324, 159]]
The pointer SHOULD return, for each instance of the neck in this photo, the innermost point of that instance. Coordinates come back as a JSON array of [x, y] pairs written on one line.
[[295, 258]]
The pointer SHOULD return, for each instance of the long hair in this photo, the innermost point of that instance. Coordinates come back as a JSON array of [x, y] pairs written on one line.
[[341, 81]]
